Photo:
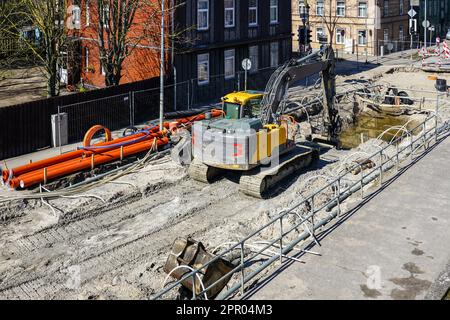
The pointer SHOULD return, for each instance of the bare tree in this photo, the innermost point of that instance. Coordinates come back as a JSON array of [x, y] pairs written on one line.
[[117, 34], [49, 18], [124, 26]]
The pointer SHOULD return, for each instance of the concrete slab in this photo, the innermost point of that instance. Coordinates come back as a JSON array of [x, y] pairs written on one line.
[[393, 247]]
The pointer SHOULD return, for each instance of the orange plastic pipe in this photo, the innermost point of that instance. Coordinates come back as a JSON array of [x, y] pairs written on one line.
[[26, 181], [92, 131], [75, 161], [64, 159]]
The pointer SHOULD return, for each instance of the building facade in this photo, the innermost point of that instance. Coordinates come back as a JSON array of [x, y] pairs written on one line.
[[211, 40], [223, 33], [84, 56], [438, 14], [355, 26]]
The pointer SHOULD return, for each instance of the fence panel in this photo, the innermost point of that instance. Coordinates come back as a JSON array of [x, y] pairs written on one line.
[[145, 105], [112, 112], [24, 128]]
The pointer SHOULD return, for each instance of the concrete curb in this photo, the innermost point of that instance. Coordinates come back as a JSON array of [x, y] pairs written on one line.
[[440, 286]]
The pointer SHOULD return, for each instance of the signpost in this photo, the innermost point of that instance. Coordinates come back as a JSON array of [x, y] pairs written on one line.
[[246, 65], [412, 26]]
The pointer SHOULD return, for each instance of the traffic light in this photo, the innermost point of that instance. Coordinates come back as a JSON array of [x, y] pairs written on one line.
[[301, 35], [308, 36]]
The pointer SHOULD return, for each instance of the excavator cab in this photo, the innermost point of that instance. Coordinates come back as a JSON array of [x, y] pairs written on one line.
[[242, 104]]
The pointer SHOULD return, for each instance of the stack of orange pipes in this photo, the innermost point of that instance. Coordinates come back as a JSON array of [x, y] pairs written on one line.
[[80, 160]]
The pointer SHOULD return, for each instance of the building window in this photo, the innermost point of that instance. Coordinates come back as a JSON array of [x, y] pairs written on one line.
[[362, 37], [229, 64], [319, 34], [386, 35], [86, 57], [76, 15], [301, 8], [229, 13], [320, 9], [340, 36], [273, 11], [401, 7], [274, 54], [203, 15], [88, 13], [254, 58], [400, 33], [340, 9], [203, 68], [253, 12], [105, 16], [386, 8], [362, 9]]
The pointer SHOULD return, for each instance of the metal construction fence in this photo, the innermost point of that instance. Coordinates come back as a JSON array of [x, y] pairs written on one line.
[[140, 106], [316, 215], [114, 107]]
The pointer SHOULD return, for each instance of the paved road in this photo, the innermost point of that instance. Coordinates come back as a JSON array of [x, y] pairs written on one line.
[[393, 247]]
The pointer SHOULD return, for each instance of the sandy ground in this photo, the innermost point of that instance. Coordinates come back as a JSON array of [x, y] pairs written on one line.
[[116, 249]]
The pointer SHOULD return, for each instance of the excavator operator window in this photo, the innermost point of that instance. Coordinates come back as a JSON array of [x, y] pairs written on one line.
[[232, 110]]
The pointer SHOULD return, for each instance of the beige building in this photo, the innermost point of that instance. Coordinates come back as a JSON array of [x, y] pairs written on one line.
[[355, 26]]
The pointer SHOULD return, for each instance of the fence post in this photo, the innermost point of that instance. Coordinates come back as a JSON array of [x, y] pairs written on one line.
[[130, 106], [281, 240], [381, 167], [239, 81], [436, 119], [338, 196], [189, 95], [242, 269], [424, 136], [59, 129]]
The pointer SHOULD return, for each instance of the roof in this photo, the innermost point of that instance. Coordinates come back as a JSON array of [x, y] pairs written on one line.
[[242, 97]]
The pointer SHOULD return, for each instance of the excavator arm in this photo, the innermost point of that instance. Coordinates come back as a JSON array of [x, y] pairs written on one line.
[[295, 70]]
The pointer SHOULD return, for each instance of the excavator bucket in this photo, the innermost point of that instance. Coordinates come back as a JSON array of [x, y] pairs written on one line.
[[190, 253]]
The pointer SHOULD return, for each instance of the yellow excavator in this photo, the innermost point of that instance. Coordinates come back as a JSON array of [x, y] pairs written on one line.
[[255, 137]]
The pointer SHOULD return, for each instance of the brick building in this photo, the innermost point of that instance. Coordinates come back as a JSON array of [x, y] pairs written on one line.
[[213, 39], [142, 63], [359, 26]]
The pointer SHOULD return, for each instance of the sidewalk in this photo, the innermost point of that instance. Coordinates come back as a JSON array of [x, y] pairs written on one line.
[[393, 247]]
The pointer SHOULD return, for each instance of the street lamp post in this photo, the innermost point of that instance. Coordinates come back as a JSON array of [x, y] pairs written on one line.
[[161, 89]]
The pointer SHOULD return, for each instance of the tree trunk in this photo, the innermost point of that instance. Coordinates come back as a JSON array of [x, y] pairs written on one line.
[[51, 85], [52, 78]]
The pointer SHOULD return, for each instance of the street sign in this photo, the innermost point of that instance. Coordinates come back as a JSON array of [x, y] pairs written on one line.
[[412, 13], [412, 26], [246, 64], [426, 23]]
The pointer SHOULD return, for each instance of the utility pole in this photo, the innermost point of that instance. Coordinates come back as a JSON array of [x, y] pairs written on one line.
[[161, 67]]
